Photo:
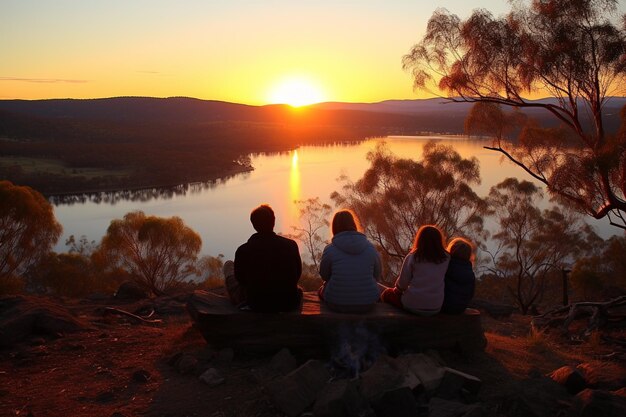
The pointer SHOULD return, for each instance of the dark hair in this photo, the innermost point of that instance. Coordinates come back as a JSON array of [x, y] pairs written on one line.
[[344, 221], [262, 218], [428, 245], [460, 248]]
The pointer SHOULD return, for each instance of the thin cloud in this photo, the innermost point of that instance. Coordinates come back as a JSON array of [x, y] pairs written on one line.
[[43, 80]]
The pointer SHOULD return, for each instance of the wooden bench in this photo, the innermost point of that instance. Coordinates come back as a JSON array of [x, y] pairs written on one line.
[[315, 331]]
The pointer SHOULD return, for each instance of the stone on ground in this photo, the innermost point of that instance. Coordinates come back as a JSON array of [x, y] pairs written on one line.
[[296, 391]]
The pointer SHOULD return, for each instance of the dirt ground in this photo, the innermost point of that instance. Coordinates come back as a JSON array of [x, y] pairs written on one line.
[[120, 368]]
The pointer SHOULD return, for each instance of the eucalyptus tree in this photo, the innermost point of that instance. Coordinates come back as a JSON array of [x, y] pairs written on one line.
[[532, 243], [28, 230], [396, 195], [157, 253], [574, 51]]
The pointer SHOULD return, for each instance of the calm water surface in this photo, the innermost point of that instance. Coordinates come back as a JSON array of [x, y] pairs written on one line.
[[220, 213]]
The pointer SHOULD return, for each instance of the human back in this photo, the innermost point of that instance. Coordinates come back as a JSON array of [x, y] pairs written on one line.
[[350, 267], [420, 285], [268, 266], [459, 280]]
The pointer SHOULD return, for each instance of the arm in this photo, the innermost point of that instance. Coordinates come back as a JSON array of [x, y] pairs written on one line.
[[325, 264], [405, 277]]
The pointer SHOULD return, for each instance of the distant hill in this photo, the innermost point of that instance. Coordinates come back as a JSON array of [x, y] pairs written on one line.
[[135, 142], [425, 115]]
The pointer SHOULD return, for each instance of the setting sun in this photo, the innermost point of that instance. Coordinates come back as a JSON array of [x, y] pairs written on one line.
[[296, 92]]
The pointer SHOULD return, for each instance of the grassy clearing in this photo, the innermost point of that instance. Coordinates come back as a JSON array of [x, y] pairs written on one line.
[[57, 167]]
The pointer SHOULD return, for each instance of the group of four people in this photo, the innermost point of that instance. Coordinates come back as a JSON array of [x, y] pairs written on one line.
[[267, 268]]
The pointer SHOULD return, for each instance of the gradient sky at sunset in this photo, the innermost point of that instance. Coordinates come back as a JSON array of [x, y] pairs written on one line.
[[236, 50]]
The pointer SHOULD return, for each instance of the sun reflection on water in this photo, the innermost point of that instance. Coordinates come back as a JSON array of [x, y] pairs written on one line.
[[294, 184]]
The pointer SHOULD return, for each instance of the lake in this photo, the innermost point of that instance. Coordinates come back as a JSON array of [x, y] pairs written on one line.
[[220, 211]]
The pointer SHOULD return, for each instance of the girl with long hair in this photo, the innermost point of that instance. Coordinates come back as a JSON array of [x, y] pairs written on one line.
[[420, 285]]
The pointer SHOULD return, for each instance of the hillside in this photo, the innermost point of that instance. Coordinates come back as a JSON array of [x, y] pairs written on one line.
[[67, 146]]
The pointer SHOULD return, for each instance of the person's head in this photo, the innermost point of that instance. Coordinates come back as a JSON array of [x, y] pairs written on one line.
[[428, 245], [344, 221], [460, 248], [262, 218]]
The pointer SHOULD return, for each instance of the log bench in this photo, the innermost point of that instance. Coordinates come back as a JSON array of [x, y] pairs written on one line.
[[315, 330]]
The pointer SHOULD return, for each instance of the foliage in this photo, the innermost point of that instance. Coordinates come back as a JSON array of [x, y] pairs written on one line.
[[28, 229], [157, 253], [310, 279], [532, 243], [82, 247], [395, 196], [314, 217], [570, 50], [209, 270], [72, 275], [602, 274]]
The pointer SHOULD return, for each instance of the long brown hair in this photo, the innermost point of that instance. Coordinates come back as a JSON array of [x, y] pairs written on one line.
[[344, 221], [428, 245]]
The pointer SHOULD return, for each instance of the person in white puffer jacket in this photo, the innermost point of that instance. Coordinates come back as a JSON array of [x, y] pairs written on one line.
[[350, 267]]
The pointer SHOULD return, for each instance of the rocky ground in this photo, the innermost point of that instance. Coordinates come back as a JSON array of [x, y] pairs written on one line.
[[84, 358]]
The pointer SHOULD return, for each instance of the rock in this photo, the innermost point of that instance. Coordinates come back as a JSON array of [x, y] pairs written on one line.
[[456, 384], [173, 360], [341, 399], [398, 402], [169, 306], [283, 362], [224, 356], [571, 378], [602, 375], [383, 376], [129, 290], [24, 316], [536, 397], [425, 367], [141, 376], [438, 407], [596, 403], [493, 309], [297, 390], [314, 330], [621, 392], [186, 364], [212, 377]]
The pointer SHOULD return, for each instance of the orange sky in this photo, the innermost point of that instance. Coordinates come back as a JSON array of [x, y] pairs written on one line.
[[239, 51]]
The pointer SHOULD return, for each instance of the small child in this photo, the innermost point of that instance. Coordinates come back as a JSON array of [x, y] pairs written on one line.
[[460, 280]]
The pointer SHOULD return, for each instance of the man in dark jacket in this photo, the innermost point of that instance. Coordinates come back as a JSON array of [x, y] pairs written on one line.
[[267, 268]]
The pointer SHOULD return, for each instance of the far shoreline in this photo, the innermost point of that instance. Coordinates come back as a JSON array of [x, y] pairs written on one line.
[[226, 175]]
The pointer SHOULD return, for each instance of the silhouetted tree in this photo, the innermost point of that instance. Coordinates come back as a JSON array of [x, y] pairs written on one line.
[[601, 273], [568, 49], [157, 253], [314, 217], [395, 196], [209, 270], [531, 243], [28, 229]]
